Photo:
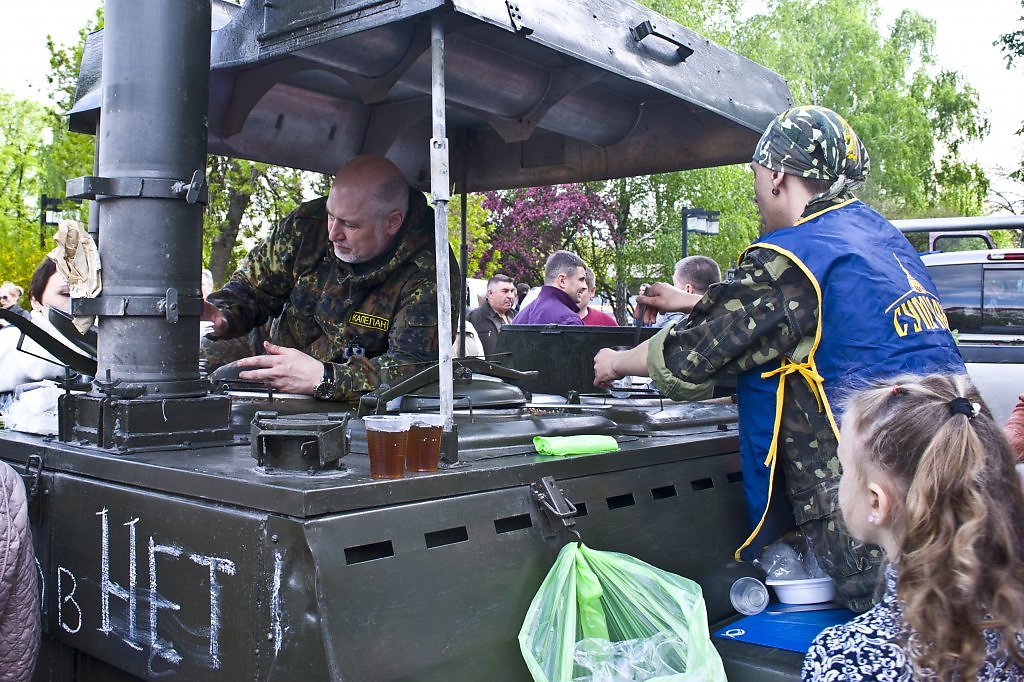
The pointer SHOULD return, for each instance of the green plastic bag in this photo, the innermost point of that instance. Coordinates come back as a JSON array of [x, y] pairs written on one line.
[[608, 617]]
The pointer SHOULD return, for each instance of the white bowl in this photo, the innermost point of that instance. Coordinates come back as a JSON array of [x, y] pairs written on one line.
[[807, 591]]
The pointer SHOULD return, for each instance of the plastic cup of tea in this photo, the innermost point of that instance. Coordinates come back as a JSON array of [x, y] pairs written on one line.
[[386, 437], [748, 596], [423, 448]]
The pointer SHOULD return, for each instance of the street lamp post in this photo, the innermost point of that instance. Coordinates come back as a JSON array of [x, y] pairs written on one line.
[[700, 221], [47, 207]]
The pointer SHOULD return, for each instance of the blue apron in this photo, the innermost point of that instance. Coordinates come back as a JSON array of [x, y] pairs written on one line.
[[878, 315]]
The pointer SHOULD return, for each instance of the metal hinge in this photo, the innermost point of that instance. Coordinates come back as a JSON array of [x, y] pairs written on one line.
[[516, 16]]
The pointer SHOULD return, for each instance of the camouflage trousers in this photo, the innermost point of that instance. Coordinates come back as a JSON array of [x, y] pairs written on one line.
[[810, 463]]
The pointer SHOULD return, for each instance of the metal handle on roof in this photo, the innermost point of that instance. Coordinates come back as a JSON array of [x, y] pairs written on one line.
[[646, 28]]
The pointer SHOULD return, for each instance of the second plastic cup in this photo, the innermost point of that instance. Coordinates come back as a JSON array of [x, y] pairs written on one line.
[[748, 596], [386, 439], [423, 449]]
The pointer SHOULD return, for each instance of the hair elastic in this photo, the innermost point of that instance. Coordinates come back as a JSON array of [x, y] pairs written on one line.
[[896, 389], [960, 405]]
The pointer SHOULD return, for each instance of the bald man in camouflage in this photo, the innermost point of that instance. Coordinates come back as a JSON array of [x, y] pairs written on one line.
[[349, 281]]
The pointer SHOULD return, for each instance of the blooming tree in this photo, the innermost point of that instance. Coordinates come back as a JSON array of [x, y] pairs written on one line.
[[529, 224]]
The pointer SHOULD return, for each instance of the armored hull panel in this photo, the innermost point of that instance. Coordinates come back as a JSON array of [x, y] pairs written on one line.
[[197, 564]]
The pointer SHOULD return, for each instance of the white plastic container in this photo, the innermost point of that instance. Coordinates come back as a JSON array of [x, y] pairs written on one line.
[[807, 591]]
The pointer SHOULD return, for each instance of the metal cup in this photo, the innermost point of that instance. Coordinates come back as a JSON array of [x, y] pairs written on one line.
[[748, 596]]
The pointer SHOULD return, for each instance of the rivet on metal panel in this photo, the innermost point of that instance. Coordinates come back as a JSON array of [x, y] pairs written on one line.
[[516, 17]]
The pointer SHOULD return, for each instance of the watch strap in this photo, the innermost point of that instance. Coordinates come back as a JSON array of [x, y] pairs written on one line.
[[325, 389]]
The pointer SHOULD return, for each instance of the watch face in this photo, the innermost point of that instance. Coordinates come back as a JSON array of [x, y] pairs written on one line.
[[324, 390]]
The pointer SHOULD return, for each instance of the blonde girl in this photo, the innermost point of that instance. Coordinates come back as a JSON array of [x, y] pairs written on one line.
[[930, 478]]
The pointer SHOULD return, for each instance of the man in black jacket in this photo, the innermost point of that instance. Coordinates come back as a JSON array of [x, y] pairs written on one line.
[[495, 311]]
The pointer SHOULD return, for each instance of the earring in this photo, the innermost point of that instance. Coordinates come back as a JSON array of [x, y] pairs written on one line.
[[872, 518], [775, 191]]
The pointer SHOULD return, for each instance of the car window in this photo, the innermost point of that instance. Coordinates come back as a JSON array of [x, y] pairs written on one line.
[[955, 242], [960, 288], [1003, 304]]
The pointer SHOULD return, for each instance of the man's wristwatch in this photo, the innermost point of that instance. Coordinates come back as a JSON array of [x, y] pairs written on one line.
[[325, 389]]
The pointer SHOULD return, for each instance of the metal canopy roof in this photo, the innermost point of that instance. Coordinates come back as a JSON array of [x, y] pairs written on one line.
[[538, 92]]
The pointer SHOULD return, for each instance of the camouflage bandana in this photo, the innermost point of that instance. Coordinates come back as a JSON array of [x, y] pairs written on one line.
[[815, 142]]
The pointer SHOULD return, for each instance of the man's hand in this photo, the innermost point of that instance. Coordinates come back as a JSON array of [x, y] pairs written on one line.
[[604, 367], [212, 314], [667, 299], [610, 365], [286, 369]]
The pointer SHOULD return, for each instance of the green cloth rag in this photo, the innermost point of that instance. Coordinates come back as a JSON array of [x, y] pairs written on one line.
[[574, 445]]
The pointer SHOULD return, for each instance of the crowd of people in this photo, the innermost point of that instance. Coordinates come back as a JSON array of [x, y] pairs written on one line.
[[857, 423], [565, 297]]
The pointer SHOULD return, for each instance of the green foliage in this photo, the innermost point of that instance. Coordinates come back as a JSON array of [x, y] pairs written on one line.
[[23, 131], [905, 109], [246, 198], [70, 155], [478, 236], [1012, 44], [37, 155]]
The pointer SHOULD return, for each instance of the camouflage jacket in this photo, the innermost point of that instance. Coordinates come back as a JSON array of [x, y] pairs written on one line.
[[375, 321], [766, 311]]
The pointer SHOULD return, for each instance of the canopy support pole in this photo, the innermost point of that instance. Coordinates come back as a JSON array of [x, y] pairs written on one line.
[[440, 192]]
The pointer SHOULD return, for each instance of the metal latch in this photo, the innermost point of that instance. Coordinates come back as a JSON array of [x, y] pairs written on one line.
[[33, 474], [558, 511], [311, 443], [193, 190], [171, 305], [94, 187]]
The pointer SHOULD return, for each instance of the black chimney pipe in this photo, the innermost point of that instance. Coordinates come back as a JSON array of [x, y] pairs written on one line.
[[150, 188], [152, 156]]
